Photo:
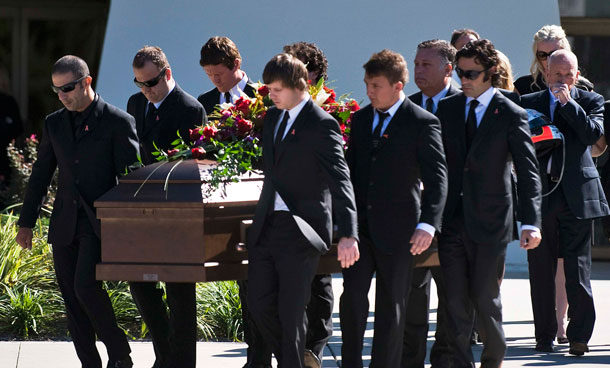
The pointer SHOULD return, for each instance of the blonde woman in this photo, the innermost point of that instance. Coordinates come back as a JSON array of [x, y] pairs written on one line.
[[505, 72]]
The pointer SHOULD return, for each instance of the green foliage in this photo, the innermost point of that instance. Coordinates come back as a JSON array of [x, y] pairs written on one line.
[[219, 311], [21, 161], [31, 305]]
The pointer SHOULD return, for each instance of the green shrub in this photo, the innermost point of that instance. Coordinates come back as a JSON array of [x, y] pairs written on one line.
[[219, 311]]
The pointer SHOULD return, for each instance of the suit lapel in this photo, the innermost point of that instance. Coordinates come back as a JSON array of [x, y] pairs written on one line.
[[92, 120], [393, 124], [298, 123], [459, 128], [268, 150], [544, 101], [65, 132], [492, 113], [140, 114]]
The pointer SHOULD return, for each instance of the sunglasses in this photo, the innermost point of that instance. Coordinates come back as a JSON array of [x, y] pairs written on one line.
[[469, 74], [544, 55], [68, 87], [152, 82]]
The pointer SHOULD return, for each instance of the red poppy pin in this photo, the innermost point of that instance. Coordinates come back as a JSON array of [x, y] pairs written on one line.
[[385, 136], [496, 111], [292, 132], [86, 128]]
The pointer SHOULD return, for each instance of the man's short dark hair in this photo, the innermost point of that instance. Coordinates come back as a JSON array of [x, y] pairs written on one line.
[[311, 56], [388, 63], [444, 49], [71, 64], [460, 32], [152, 54], [484, 53], [219, 50], [287, 69]]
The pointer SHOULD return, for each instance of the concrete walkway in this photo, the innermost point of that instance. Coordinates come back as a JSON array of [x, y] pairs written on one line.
[[518, 327]]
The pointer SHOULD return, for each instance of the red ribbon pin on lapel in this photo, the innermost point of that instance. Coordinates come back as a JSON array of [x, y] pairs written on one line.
[[385, 136], [86, 128], [292, 132], [496, 111], [157, 117]]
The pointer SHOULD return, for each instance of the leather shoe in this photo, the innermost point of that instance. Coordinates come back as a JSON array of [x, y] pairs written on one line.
[[123, 363], [578, 348], [312, 360], [544, 347]]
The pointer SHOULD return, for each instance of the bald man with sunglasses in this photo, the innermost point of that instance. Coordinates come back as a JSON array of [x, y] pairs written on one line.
[[161, 109], [92, 143]]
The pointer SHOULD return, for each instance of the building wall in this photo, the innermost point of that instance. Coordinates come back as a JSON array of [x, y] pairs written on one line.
[[348, 32]]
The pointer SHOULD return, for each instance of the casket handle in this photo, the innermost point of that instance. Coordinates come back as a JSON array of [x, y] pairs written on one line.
[[243, 226]]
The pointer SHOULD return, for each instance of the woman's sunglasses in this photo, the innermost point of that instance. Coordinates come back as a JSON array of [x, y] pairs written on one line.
[[469, 74], [152, 82], [68, 87], [544, 55]]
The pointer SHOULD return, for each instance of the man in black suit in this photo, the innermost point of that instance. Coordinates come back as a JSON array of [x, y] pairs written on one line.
[[433, 69], [395, 146], [320, 307], [161, 109], [568, 211], [221, 61], [92, 142], [484, 134], [305, 171]]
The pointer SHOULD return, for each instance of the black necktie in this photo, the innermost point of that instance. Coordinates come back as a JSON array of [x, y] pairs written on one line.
[[471, 123], [228, 97], [377, 132], [151, 116], [430, 105], [280, 132]]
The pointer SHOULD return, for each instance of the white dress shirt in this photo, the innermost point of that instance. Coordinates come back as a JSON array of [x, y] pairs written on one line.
[[237, 91], [279, 204], [435, 99], [484, 100]]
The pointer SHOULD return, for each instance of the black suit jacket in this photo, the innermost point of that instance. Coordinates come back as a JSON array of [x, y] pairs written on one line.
[[387, 180], [212, 97], [89, 166], [582, 123], [309, 171], [483, 174], [417, 97], [178, 112]]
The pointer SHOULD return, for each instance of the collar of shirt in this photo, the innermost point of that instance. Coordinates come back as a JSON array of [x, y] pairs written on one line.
[[237, 91], [484, 100], [292, 113], [157, 104], [392, 110], [436, 98], [82, 116]]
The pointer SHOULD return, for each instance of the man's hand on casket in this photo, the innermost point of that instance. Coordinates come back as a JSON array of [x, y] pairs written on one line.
[[24, 237], [347, 252]]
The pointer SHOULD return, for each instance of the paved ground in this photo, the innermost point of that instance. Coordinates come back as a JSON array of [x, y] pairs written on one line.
[[518, 327]]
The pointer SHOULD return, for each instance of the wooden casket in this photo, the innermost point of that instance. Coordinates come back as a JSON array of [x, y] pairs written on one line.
[[158, 224]]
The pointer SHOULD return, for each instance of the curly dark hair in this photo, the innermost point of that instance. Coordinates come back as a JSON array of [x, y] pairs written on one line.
[[311, 56], [485, 54]]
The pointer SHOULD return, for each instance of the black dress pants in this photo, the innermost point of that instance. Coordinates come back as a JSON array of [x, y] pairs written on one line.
[[471, 273], [417, 323], [258, 352], [565, 236], [393, 272], [174, 335], [320, 314], [281, 268], [88, 307]]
